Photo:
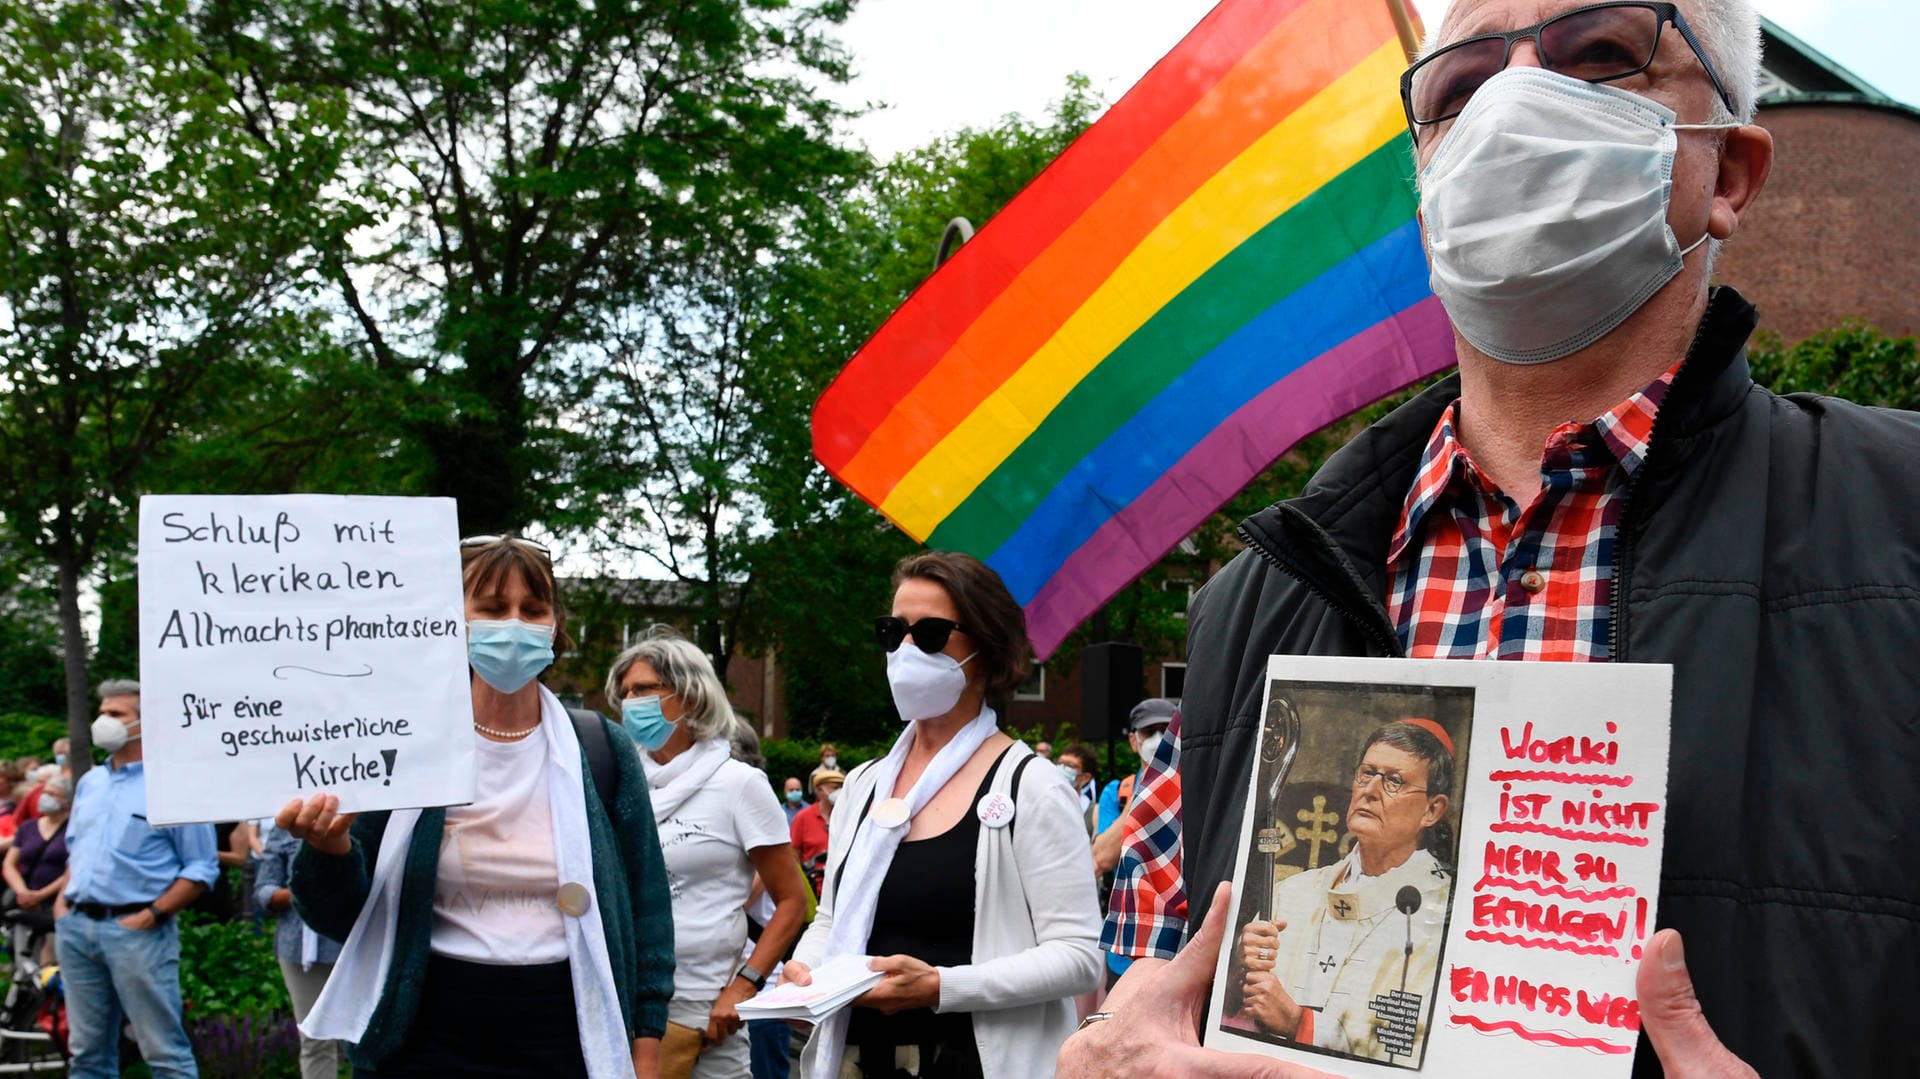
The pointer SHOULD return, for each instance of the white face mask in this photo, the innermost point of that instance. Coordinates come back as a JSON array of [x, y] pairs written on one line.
[[1546, 212], [832, 796], [924, 685], [111, 735], [1148, 745], [829, 761]]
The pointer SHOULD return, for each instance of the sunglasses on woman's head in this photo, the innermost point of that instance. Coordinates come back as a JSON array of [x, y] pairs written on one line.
[[929, 634], [488, 541]]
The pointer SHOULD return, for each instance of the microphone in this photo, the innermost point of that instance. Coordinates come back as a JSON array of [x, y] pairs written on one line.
[[1408, 900]]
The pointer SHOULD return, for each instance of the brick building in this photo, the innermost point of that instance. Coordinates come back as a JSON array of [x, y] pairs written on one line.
[[1833, 235]]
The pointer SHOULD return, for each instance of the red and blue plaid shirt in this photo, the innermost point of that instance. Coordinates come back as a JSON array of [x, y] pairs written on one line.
[[1487, 580], [1147, 912]]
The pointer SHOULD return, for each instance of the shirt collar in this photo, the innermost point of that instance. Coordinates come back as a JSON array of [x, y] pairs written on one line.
[[1625, 430]]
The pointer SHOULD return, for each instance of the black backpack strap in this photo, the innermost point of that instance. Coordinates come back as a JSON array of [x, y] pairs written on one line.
[[590, 728], [1013, 787]]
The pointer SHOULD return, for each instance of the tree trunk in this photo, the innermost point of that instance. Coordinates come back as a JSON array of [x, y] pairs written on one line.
[[73, 647]]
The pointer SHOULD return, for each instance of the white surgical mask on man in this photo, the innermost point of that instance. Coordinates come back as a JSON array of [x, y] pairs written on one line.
[[1546, 212]]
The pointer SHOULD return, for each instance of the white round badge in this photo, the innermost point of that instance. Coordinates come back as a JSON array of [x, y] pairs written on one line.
[[996, 811], [891, 813]]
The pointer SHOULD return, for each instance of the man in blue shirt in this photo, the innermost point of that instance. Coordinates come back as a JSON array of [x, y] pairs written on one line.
[[1146, 724], [119, 947]]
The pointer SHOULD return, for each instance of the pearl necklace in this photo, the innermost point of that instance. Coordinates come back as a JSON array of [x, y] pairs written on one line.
[[505, 736]]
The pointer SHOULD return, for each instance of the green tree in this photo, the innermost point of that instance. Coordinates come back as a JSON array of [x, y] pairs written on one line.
[[530, 171], [146, 241], [819, 559]]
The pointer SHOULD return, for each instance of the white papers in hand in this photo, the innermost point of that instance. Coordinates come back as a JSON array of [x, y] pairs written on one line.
[[835, 984]]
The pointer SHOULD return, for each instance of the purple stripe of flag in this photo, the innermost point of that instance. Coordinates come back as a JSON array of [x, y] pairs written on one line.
[[1365, 368]]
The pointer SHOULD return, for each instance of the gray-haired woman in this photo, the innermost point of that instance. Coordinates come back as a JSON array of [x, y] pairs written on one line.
[[719, 823]]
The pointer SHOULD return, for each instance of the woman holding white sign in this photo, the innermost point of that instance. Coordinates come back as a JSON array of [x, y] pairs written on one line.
[[964, 871], [526, 933], [719, 824]]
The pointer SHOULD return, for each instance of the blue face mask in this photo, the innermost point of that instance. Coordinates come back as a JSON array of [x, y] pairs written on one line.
[[508, 654], [643, 719], [794, 797]]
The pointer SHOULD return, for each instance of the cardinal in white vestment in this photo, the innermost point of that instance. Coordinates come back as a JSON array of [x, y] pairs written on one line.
[[1347, 960]]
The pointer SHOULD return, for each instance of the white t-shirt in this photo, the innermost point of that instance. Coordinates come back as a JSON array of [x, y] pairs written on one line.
[[705, 844], [494, 899]]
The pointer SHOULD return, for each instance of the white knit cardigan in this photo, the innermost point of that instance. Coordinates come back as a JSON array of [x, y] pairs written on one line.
[[1036, 920]]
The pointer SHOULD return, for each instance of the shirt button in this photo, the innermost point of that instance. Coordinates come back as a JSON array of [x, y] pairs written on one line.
[[1533, 581]]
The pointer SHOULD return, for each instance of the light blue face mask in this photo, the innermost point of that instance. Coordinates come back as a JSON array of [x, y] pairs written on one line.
[[643, 719], [510, 653]]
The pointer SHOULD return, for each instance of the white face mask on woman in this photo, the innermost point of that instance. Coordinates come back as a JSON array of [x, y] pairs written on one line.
[[1546, 212], [924, 684]]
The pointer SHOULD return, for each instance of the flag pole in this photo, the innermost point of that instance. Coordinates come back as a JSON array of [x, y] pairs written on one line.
[[1407, 25]]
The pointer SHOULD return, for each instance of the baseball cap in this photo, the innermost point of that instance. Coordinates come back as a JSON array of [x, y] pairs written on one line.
[[1152, 712]]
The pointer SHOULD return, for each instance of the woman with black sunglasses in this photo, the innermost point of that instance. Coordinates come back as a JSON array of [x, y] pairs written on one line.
[[962, 870]]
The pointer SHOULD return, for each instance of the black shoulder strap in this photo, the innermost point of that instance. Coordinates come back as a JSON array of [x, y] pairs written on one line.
[[590, 729], [1013, 787]]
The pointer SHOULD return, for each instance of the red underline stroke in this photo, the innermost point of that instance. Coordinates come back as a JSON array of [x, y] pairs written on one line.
[[1564, 777], [1621, 892], [1541, 942], [1568, 833], [1545, 1037]]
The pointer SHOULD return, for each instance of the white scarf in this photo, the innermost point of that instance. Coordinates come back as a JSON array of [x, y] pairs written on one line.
[[872, 853], [360, 974], [684, 776]]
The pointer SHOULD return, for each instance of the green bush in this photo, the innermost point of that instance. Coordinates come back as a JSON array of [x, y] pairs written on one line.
[[29, 736], [228, 969]]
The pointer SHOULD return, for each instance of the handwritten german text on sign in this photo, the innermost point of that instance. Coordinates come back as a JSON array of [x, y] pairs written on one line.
[[298, 644], [1448, 867]]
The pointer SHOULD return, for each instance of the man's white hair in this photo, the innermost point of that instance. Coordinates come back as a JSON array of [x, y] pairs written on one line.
[[1728, 32]]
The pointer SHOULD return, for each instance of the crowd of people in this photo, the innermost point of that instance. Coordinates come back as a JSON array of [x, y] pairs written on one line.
[[1602, 481]]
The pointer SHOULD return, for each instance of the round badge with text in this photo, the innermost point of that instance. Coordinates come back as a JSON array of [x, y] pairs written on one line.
[[996, 811]]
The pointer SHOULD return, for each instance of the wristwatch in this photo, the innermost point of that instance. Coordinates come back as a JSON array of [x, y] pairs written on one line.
[[159, 916], [753, 977]]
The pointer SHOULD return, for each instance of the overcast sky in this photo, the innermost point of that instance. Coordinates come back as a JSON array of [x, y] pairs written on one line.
[[943, 64]]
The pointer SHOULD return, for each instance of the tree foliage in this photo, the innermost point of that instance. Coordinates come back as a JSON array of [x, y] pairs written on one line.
[[1852, 360], [820, 559], [146, 241], [528, 172]]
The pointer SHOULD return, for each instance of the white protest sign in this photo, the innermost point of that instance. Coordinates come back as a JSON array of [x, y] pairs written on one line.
[[292, 645], [1390, 918]]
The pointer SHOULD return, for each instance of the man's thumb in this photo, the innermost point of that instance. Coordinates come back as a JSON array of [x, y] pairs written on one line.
[[1671, 1016], [1193, 967]]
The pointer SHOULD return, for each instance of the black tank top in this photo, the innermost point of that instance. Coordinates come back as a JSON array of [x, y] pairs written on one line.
[[925, 909]]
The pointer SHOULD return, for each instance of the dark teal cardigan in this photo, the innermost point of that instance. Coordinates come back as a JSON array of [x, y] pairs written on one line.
[[629, 877]]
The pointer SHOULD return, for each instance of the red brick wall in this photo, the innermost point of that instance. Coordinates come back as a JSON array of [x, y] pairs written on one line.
[[1836, 232]]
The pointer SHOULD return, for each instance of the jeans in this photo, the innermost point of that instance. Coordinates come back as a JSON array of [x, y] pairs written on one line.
[[111, 972], [770, 1040]]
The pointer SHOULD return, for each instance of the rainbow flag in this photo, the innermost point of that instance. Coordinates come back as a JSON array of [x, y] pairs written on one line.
[[1223, 264]]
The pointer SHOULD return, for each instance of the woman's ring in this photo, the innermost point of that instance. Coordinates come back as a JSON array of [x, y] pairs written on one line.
[[1264, 953], [1096, 1017]]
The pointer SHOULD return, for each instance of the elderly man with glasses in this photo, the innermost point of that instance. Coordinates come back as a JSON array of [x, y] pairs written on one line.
[[1603, 482]]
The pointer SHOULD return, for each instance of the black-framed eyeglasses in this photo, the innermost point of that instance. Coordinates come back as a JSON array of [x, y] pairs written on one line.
[[1596, 43], [488, 541], [1393, 783], [929, 634]]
